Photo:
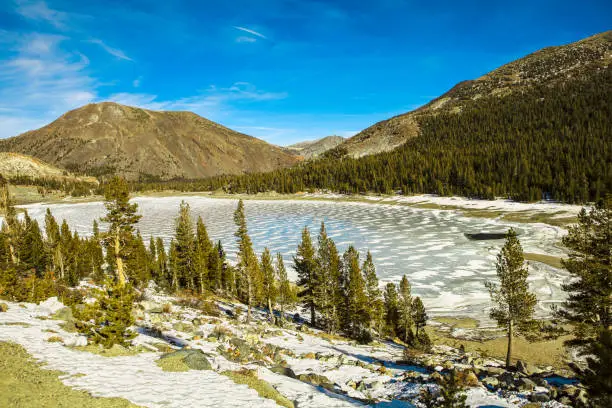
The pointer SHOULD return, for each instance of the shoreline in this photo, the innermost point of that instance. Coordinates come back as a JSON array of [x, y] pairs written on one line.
[[551, 213]]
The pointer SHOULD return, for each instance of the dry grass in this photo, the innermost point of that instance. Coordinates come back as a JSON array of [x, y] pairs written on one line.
[[264, 389], [550, 260], [543, 353], [24, 384]]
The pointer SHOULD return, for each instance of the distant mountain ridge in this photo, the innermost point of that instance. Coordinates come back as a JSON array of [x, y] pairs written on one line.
[[313, 148], [550, 65], [109, 138]]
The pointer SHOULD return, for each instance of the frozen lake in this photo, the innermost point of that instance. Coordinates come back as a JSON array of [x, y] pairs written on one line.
[[429, 246]]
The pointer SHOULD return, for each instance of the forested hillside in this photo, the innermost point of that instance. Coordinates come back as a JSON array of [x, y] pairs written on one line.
[[550, 141]]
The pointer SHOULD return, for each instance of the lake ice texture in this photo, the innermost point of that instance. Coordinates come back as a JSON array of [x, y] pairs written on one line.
[[444, 267]]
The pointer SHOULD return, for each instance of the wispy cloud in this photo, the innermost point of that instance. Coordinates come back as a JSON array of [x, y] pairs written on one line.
[[112, 51], [40, 81], [252, 32], [136, 82], [207, 103], [40, 11]]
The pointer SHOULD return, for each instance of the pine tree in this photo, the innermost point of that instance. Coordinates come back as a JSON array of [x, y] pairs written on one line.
[[286, 296], [162, 263], [184, 241], [248, 264], [419, 315], [405, 309], [391, 309], [514, 304], [54, 249], [328, 294], [356, 316], [32, 252], [10, 225], [108, 319], [375, 301], [138, 262], [588, 307], [268, 281], [305, 265], [121, 215], [203, 248]]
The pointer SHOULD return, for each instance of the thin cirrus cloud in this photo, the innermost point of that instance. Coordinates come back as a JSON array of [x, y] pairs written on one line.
[[112, 51], [249, 31], [40, 11]]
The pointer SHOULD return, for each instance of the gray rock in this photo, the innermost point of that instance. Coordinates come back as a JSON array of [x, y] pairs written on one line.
[[286, 371], [374, 385], [490, 371], [317, 380], [506, 378], [197, 361], [539, 397], [525, 384]]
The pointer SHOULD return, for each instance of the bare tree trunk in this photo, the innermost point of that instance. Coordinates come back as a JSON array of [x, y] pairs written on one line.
[[270, 311], [120, 270], [510, 335], [249, 297], [312, 313]]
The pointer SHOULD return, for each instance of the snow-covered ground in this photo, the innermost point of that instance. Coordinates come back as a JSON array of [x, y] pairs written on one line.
[[445, 267], [355, 373]]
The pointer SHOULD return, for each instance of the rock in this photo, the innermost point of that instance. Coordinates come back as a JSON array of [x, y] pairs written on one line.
[[532, 405], [151, 307], [317, 380], [526, 368], [491, 371], [525, 384], [491, 382], [506, 378], [196, 360], [565, 401], [539, 397], [310, 356], [197, 322], [286, 371], [477, 362], [3, 307]]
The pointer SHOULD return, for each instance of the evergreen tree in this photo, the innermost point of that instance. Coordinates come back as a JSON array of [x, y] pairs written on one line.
[[356, 315], [184, 249], [391, 309], [53, 242], [32, 252], [138, 262], [162, 263], [588, 307], [248, 264], [121, 216], [514, 304], [268, 281], [305, 265], [11, 226], [108, 319], [405, 310], [419, 315], [203, 248], [375, 301], [328, 294], [286, 296]]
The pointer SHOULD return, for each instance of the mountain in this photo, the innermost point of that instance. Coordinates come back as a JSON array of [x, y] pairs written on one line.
[[546, 67], [313, 148], [109, 138], [15, 165]]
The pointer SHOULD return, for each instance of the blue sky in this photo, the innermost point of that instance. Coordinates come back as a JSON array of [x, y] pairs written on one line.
[[282, 70]]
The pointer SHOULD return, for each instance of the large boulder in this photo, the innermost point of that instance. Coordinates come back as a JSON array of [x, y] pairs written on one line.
[[317, 380], [185, 359], [525, 384]]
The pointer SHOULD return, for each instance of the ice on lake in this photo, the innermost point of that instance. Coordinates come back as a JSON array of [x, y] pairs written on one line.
[[429, 246]]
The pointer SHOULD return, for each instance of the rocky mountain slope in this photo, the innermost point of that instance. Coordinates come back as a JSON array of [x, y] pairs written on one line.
[[18, 165], [109, 138], [548, 66], [314, 148]]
